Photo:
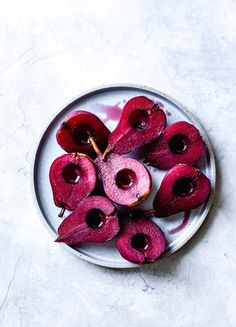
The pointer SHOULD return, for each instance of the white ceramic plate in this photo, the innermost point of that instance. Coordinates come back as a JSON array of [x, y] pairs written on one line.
[[105, 103]]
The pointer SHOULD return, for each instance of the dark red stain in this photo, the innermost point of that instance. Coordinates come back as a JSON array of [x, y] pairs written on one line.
[[182, 225], [113, 112]]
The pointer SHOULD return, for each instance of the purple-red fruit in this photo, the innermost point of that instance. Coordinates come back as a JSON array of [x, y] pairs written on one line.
[[181, 142], [140, 241], [94, 220], [73, 177], [183, 188], [73, 134], [126, 181], [141, 122]]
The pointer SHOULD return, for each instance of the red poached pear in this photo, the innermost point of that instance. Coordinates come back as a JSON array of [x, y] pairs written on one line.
[[126, 181], [94, 220], [184, 187], [181, 142], [140, 240], [141, 122], [73, 134], [73, 177]]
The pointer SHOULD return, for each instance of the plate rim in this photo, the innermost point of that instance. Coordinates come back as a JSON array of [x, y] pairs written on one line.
[[105, 87]]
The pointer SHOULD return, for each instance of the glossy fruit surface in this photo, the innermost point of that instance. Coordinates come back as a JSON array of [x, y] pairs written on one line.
[[73, 177], [181, 142], [141, 122], [73, 134], [94, 220], [184, 187], [140, 240]]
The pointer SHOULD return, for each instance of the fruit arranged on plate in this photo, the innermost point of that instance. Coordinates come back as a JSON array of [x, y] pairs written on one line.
[[184, 187], [73, 134], [73, 177], [140, 240], [120, 180], [94, 220], [141, 121], [181, 142]]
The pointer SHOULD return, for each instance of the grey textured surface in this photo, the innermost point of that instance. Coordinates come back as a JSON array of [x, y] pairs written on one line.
[[49, 52]]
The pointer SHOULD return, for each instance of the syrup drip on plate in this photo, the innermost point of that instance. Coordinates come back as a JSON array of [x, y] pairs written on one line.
[[182, 224], [112, 112]]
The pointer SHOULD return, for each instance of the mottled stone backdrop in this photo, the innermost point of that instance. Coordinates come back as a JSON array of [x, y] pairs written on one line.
[[50, 51]]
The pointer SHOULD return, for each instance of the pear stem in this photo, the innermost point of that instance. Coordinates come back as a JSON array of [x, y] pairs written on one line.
[[149, 213], [61, 213], [94, 144], [105, 154]]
